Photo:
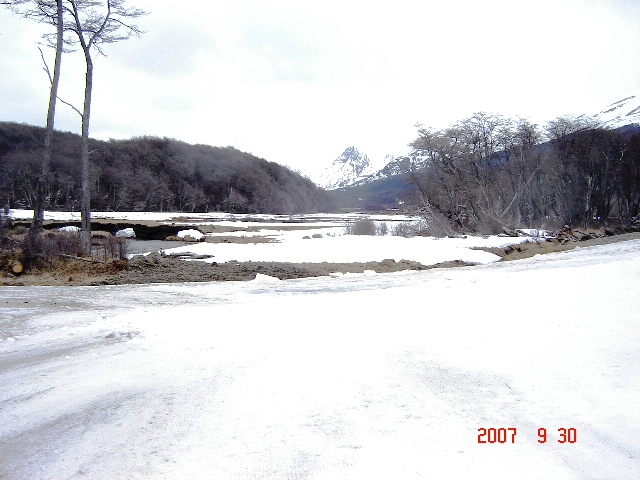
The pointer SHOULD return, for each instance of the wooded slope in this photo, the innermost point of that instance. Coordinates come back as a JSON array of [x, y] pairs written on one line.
[[152, 174]]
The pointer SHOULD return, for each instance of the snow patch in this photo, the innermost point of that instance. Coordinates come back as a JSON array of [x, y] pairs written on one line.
[[194, 234], [126, 233], [262, 278]]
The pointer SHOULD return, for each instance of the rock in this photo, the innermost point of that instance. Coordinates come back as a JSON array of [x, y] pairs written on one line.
[[126, 233]]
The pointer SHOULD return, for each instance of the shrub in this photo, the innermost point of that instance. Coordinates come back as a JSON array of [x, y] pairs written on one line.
[[361, 227], [48, 249], [45, 249], [109, 249], [412, 229]]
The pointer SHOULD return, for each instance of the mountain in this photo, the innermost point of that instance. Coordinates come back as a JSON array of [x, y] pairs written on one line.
[[617, 115], [358, 182], [621, 113], [350, 167]]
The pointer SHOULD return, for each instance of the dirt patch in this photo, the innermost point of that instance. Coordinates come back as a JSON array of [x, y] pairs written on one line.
[[159, 269], [156, 268]]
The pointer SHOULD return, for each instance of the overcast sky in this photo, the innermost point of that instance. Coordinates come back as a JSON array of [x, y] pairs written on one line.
[[296, 81]]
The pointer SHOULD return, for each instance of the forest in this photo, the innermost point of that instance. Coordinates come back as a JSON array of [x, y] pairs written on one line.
[[150, 174], [487, 172]]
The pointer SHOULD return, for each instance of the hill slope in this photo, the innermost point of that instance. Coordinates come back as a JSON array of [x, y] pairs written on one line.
[[152, 174]]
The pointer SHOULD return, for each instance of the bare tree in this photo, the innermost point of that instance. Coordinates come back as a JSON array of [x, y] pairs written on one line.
[[96, 23], [51, 12], [479, 171]]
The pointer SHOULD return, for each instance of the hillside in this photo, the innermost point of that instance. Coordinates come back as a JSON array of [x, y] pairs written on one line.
[[396, 191], [152, 174]]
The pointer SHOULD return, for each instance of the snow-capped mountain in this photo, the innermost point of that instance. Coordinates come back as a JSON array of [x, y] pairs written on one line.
[[621, 113], [354, 168], [346, 170]]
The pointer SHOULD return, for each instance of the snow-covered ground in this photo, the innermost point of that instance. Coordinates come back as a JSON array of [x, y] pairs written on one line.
[[217, 217], [351, 248], [307, 238], [359, 377]]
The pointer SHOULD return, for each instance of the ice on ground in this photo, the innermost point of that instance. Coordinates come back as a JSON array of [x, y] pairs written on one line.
[[382, 376]]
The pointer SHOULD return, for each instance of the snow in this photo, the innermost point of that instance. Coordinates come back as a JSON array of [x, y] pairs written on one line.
[[358, 376], [69, 228], [299, 244], [221, 218], [535, 232], [351, 248], [126, 233], [195, 234], [621, 113]]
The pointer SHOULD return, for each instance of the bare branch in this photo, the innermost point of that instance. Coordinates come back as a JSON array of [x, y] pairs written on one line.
[[70, 105], [46, 67], [48, 71]]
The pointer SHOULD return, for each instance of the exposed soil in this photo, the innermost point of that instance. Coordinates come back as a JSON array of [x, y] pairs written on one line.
[[156, 268]]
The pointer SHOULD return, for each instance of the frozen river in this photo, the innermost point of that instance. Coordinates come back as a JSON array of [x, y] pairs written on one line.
[[363, 376]]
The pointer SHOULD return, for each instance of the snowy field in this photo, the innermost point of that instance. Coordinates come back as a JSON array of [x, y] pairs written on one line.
[[360, 377], [306, 238], [364, 376]]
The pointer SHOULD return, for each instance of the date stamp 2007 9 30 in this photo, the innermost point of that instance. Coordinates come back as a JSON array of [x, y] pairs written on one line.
[[508, 435]]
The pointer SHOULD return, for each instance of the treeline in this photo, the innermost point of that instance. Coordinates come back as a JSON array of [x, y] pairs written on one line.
[[488, 172], [151, 174]]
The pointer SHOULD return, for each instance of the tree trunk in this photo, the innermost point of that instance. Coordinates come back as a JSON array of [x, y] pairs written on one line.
[[42, 185], [85, 201]]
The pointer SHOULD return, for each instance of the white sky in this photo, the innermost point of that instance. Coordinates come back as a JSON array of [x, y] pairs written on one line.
[[297, 82]]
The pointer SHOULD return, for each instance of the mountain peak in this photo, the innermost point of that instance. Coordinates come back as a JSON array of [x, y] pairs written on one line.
[[621, 113], [354, 158], [351, 166]]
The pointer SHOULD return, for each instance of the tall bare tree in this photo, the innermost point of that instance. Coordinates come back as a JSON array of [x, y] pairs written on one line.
[[51, 12], [96, 23]]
